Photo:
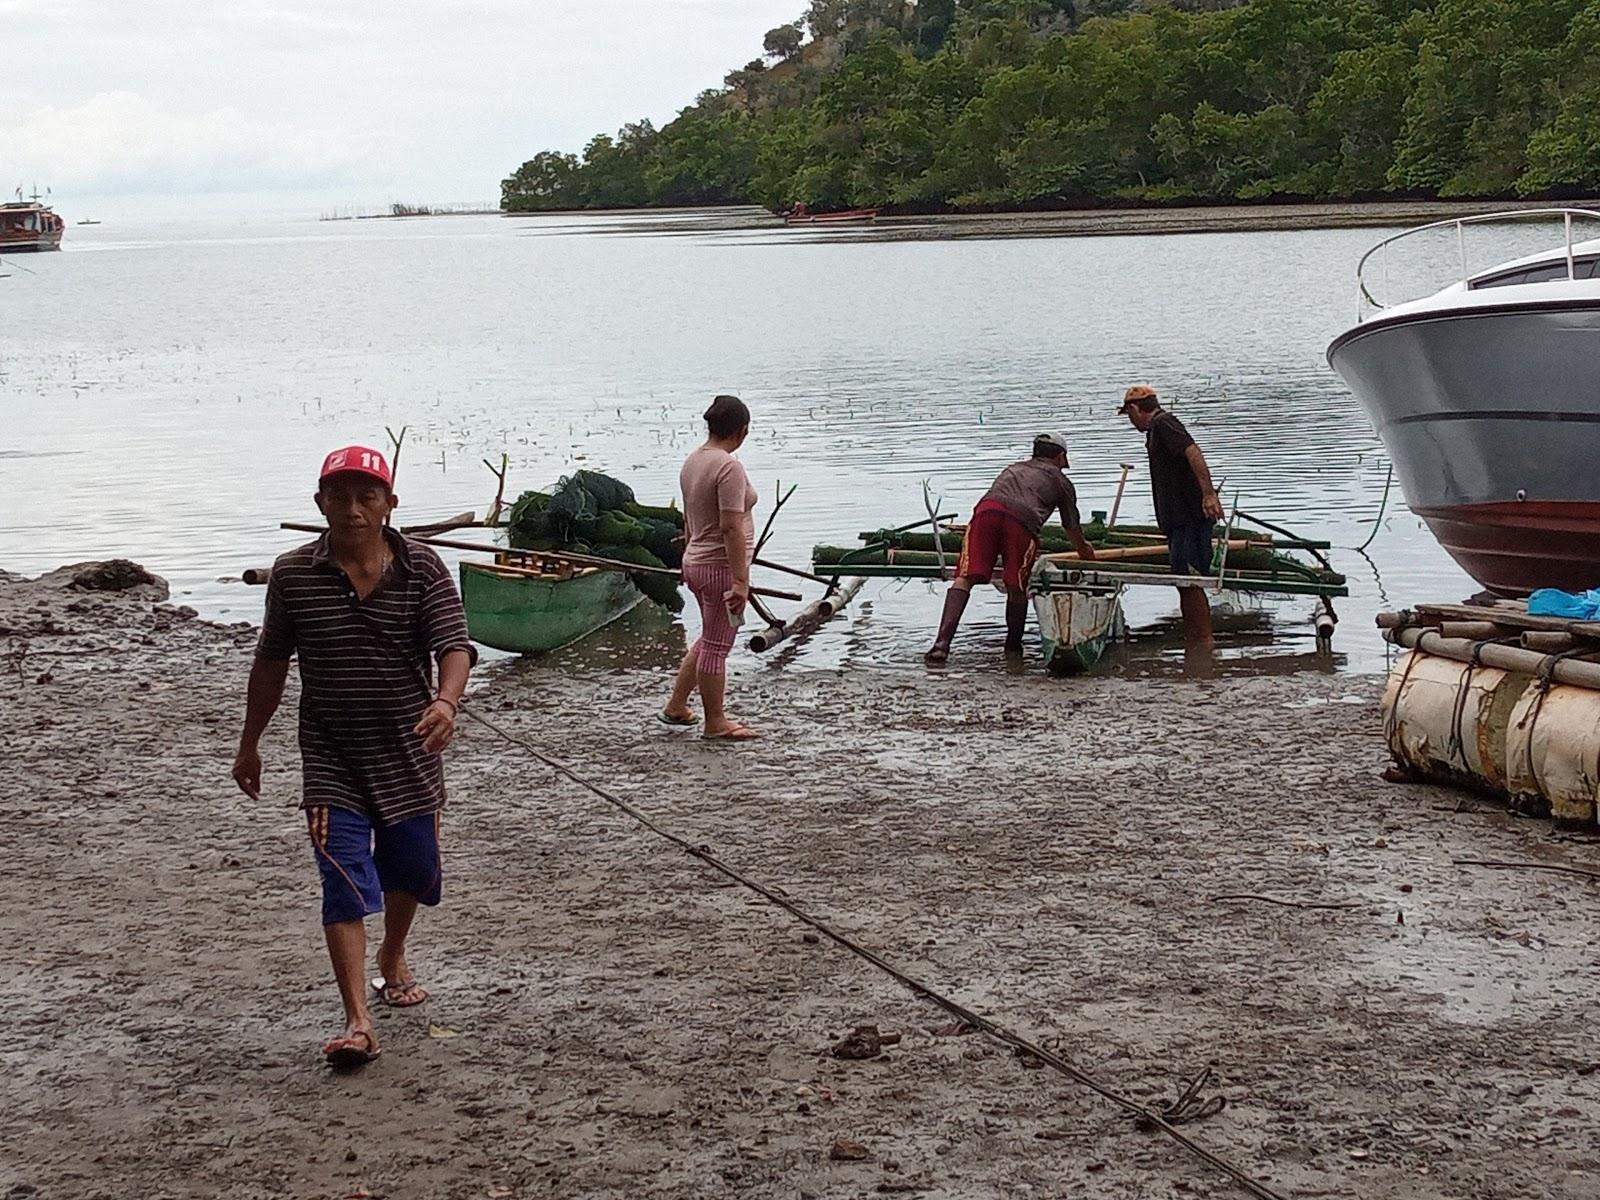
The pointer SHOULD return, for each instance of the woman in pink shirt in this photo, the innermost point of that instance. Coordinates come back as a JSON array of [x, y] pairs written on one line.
[[717, 502]]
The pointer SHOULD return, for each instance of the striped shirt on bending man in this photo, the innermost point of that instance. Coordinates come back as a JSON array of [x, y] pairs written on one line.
[[366, 674]]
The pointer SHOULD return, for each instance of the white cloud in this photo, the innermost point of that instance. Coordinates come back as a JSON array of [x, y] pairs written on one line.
[[121, 141], [429, 100]]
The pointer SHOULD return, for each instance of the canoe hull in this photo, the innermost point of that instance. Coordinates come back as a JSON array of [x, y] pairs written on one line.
[[535, 616], [1076, 627]]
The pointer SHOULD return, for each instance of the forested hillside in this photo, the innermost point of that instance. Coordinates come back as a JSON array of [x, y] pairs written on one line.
[[986, 104]]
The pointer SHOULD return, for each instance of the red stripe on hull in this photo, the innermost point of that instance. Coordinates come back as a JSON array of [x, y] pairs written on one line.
[[1513, 548]]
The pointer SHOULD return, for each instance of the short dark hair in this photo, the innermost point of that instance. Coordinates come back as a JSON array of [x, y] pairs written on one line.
[[1043, 449], [727, 416], [1146, 403]]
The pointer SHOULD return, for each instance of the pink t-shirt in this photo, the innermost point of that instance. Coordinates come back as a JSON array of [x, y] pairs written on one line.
[[713, 482]]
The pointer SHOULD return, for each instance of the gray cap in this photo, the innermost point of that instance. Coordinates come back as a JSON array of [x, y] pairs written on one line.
[[1051, 439]]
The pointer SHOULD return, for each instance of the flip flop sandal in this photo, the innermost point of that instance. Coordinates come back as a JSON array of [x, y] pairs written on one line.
[[677, 722], [394, 994], [343, 1052], [736, 733]]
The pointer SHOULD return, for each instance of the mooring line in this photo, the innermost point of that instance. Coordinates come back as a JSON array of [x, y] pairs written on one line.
[[959, 1011]]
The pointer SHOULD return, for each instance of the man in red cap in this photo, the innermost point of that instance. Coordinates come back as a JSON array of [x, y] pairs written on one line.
[[1005, 528], [1187, 507], [368, 613]]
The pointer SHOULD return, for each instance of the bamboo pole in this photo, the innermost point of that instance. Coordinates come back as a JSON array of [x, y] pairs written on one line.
[[1127, 552], [587, 560], [1575, 672], [1547, 643], [1473, 631], [817, 613]]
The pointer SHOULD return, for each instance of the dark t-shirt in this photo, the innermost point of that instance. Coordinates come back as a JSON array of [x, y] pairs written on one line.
[[1033, 489], [1172, 480], [366, 671]]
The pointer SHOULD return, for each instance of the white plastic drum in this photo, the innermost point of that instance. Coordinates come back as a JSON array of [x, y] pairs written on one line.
[[1553, 750], [1447, 720]]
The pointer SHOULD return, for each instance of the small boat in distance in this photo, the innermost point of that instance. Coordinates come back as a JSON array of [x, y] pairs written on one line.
[[88, 221], [801, 215], [29, 225], [1486, 395]]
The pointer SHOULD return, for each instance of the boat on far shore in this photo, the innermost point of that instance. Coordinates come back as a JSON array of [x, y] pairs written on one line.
[[801, 215], [29, 225], [1486, 395]]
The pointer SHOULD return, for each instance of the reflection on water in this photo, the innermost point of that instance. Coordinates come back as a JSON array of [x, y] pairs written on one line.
[[171, 391]]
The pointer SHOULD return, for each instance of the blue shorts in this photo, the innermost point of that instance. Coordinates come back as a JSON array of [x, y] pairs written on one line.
[[361, 861], [1189, 547]]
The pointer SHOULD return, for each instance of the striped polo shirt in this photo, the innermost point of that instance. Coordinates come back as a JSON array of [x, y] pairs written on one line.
[[366, 674]]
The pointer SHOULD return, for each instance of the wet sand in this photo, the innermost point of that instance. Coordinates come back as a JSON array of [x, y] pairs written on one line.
[[612, 1020]]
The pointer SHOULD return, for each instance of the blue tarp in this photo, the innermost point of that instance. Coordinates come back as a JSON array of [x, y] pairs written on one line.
[[1551, 602]]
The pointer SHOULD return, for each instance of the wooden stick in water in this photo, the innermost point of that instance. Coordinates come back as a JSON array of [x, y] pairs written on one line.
[[466, 520], [493, 519], [795, 571]]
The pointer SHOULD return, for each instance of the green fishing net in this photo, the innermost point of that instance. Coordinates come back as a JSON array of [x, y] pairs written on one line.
[[589, 512]]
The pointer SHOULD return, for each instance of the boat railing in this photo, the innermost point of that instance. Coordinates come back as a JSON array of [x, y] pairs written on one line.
[[1365, 299]]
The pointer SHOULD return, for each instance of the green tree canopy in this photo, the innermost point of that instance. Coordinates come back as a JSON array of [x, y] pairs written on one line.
[[944, 104], [784, 41]]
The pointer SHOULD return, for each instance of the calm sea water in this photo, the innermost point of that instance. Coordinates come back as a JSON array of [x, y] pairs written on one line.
[[169, 391]]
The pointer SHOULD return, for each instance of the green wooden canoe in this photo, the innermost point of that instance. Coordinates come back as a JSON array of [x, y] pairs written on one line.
[[528, 615], [1075, 624]]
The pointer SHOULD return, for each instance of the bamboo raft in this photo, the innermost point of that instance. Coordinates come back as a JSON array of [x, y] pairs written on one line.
[[1499, 701]]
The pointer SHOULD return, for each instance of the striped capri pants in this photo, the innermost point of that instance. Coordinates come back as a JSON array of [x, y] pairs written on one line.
[[709, 582]]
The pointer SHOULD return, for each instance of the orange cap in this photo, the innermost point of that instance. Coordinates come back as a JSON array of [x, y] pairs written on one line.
[[1139, 391]]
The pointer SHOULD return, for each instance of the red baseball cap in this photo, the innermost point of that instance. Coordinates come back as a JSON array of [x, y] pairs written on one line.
[[363, 460]]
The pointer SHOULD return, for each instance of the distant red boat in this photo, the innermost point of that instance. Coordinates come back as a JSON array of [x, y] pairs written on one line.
[[29, 225], [800, 215]]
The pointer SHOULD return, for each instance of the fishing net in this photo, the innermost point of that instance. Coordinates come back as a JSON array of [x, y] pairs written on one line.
[[607, 493], [588, 512], [663, 589]]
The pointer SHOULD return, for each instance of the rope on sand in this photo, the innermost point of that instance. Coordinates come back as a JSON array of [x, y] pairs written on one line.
[[1149, 1118]]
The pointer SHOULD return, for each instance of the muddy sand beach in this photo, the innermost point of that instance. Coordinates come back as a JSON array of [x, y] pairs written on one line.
[[612, 1019]]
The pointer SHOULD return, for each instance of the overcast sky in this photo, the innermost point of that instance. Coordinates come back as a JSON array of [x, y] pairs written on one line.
[[284, 103]]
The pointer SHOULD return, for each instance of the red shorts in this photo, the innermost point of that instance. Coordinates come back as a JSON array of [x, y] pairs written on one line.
[[995, 534]]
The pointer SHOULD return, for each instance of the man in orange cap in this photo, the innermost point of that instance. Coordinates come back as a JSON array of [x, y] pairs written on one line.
[[1187, 507]]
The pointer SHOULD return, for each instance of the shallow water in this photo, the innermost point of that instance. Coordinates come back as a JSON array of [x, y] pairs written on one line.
[[169, 392]]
